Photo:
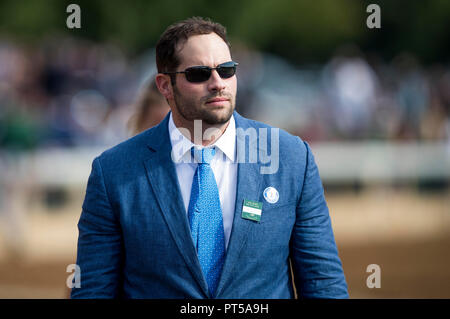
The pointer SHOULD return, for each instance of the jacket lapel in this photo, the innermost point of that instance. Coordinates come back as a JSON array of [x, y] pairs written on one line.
[[163, 179], [249, 183]]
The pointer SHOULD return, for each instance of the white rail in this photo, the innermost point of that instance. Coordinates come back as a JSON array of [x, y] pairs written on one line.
[[363, 161]]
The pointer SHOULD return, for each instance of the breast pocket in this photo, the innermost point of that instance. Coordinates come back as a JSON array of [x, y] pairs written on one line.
[[278, 213]]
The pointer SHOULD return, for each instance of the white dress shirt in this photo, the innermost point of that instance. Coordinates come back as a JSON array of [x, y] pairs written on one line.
[[223, 165]]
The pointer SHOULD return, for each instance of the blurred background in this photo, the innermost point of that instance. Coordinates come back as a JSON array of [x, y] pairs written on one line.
[[374, 104]]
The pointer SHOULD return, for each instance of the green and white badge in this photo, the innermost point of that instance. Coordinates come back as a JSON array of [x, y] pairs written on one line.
[[252, 210]]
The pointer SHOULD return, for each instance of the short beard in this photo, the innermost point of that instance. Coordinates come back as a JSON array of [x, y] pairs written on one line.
[[188, 109]]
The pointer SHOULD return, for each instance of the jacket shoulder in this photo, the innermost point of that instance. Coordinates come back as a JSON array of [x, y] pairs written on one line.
[[288, 143], [127, 152]]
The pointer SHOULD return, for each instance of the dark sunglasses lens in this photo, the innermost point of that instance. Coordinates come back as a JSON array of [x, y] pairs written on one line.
[[198, 74], [226, 72]]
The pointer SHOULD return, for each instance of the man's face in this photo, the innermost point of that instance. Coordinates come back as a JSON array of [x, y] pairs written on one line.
[[212, 101]]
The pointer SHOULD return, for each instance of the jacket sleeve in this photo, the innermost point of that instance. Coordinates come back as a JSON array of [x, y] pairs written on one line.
[[100, 249], [317, 268]]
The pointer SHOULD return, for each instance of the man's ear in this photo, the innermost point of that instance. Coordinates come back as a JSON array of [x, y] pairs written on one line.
[[164, 85]]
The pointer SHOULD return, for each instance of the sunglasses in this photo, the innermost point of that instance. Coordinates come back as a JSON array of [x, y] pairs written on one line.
[[197, 74]]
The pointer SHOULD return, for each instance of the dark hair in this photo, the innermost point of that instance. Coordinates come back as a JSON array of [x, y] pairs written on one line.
[[177, 34]]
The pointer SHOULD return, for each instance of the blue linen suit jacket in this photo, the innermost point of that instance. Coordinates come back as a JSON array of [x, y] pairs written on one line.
[[134, 237]]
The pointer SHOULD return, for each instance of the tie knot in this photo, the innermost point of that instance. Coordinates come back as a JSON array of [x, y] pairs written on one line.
[[204, 155]]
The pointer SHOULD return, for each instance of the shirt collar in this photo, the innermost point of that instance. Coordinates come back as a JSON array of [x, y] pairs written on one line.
[[181, 145]]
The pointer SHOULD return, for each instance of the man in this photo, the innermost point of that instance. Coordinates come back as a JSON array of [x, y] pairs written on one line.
[[183, 210]]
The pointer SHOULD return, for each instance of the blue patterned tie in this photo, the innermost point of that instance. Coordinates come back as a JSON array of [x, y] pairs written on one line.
[[205, 218]]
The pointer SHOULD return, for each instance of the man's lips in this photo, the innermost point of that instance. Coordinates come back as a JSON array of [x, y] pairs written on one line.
[[217, 101]]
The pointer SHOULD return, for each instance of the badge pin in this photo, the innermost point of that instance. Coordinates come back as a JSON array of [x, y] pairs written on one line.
[[252, 210], [271, 195]]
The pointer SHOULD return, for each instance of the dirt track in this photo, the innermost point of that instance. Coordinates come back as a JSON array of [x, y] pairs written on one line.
[[408, 270], [406, 234]]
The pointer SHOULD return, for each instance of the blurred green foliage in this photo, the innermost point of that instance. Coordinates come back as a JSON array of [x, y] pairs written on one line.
[[302, 31], [19, 131]]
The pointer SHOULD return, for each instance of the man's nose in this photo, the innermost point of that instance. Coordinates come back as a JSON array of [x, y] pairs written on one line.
[[216, 83]]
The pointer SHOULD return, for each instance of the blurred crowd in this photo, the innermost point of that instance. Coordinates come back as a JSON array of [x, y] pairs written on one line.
[[68, 92]]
